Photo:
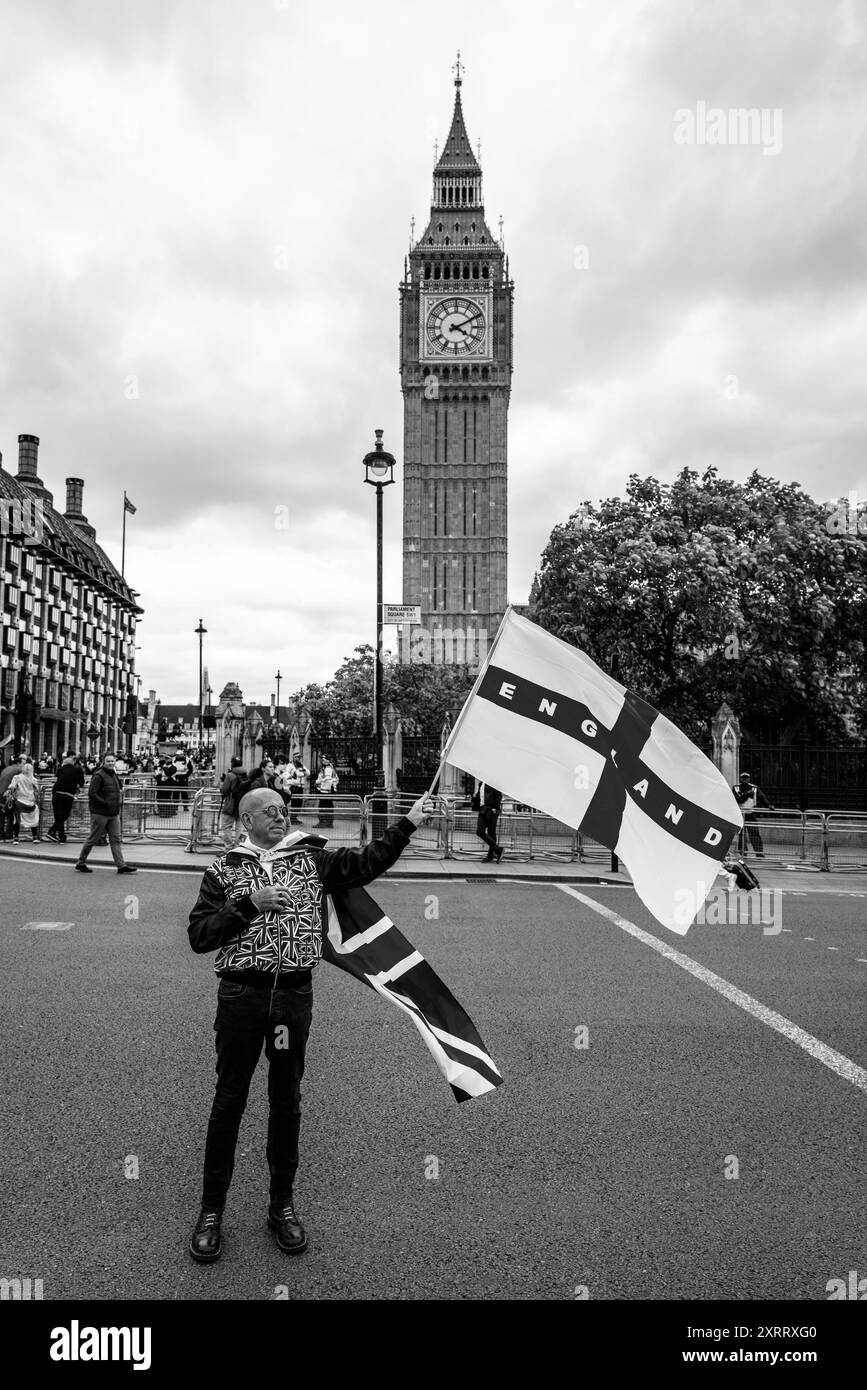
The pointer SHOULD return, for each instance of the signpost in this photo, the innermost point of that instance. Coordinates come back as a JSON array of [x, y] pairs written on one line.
[[399, 613]]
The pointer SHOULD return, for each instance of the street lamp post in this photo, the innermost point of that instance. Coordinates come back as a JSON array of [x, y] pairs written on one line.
[[200, 630], [379, 472], [278, 679]]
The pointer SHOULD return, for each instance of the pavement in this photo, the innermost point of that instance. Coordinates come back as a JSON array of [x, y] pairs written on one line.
[[659, 1134]]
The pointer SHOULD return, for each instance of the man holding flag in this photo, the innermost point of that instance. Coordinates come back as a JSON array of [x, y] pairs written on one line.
[[546, 724], [272, 908]]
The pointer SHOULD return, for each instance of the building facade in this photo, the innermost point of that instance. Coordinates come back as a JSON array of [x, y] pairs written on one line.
[[456, 373], [67, 649]]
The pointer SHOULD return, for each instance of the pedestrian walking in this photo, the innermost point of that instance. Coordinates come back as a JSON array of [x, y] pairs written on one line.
[[750, 797], [489, 804], [9, 816], [70, 780], [326, 784], [104, 798], [25, 790], [261, 906], [298, 780]]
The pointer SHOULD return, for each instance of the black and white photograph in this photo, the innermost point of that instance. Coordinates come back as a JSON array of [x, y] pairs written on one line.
[[493, 924]]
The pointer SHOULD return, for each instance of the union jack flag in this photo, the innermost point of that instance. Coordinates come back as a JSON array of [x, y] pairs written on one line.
[[364, 942]]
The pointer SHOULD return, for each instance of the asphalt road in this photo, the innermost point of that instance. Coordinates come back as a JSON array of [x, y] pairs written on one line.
[[601, 1166]]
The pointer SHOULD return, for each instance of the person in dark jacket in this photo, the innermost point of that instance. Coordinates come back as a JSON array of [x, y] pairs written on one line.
[[70, 779], [262, 907], [104, 798], [750, 797], [490, 804]]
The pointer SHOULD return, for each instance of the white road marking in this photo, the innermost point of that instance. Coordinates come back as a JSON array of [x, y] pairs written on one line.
[[835, 1061], [47, 926], [809, 938]]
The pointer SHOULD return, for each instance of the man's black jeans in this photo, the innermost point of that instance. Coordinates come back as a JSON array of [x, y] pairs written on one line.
[[247, 1018], [61, 805], [751, 828]]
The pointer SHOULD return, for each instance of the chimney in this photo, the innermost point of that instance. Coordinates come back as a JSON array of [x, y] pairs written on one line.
[[74, 503], [28, 451]]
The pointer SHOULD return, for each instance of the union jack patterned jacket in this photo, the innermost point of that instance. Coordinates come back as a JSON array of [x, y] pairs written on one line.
[[226, 921]]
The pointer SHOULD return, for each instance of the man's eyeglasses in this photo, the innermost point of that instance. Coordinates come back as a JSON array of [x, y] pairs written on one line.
[[276, 813]]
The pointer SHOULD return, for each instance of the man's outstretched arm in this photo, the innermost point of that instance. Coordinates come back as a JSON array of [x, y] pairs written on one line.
[[352, 868]]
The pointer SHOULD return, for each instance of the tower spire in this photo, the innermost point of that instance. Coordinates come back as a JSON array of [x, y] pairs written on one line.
[[457, 69]]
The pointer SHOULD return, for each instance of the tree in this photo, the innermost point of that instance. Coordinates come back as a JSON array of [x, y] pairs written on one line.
[[707, 589], [422, 692]]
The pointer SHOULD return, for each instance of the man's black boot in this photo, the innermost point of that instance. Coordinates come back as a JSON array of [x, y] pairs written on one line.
[[288, 1231], [206, 1244]]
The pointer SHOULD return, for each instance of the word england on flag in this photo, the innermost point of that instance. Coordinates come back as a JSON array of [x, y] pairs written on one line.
[[548, 727]]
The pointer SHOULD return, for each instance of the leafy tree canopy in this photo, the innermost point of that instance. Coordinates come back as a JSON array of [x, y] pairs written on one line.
[[422, 692], [705, 589]]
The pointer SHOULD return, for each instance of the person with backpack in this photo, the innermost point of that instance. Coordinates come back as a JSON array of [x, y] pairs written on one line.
[[229, 788]]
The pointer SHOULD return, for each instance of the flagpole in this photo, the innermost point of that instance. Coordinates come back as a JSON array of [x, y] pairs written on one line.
[[123, 544], [477, 683]]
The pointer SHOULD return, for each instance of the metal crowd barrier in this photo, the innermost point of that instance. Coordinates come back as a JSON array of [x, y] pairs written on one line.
[[341, 822], [845, 835], [430, 840], [450, 833], [824, 840]]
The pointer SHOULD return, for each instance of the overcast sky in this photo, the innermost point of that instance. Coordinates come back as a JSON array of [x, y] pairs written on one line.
[[206, 206]]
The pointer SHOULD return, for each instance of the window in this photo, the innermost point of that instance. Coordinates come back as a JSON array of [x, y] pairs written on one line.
[[25, 643], [474, 527], [445, 509], [474, 584], [29, 562], [13, 555], [435, 503], [9, 635]]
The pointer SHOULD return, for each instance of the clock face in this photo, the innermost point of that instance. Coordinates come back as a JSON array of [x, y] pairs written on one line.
[[456, 327]]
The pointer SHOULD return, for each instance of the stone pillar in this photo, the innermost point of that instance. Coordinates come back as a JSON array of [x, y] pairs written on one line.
[[252, 733], [230, 722], [305, 731], [450, 778], [392, 746], [726, 732]]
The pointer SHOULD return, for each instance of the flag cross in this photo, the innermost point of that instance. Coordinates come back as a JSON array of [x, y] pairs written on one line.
[[624, 774]]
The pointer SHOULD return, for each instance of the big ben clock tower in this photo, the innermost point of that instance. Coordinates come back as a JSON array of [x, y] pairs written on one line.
[[456, 371]]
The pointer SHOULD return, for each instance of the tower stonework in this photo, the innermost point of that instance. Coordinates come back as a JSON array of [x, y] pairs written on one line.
[[456, 371]]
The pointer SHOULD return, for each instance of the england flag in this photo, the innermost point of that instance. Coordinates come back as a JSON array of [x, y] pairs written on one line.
[[548, 727]]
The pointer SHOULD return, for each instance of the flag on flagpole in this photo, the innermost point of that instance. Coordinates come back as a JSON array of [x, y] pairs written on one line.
[[547, 726], [127, 505], [364, 942]]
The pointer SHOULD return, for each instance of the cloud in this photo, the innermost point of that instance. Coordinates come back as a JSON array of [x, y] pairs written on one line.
[[212, 201]]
